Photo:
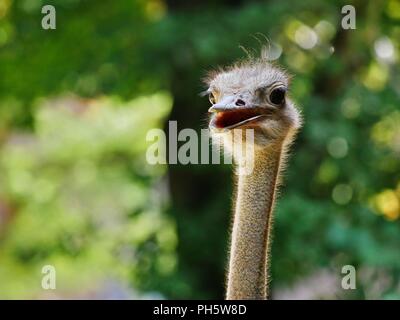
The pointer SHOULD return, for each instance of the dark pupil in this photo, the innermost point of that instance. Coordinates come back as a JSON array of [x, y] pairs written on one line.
[[277, 96]]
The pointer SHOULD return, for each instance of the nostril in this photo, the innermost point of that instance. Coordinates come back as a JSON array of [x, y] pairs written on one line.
[[240, 102]]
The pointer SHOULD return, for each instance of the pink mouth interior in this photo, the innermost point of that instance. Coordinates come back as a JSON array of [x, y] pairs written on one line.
[[230, 118]]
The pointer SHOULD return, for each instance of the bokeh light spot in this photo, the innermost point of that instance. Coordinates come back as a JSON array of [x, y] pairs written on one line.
[[155, 9], [306, 37], [387, 131], [274, 51], [375, 77], [338, 147], [325, 30], [393, 9], [350, 108], [328, 172], [342, 194], [384, 50], [388, 204]]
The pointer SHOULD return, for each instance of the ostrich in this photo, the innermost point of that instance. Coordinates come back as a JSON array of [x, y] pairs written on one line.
[[252, 94]]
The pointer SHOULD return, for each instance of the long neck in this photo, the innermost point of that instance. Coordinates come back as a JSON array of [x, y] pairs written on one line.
[[248, 265]]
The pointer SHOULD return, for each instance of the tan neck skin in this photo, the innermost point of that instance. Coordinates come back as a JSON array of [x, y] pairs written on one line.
[[248, 265]]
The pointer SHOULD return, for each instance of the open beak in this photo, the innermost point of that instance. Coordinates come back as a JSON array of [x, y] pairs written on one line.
[[227, 116]]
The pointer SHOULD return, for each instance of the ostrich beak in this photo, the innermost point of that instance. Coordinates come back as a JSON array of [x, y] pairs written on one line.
[[226, 117], [218, 108], [226, 104]]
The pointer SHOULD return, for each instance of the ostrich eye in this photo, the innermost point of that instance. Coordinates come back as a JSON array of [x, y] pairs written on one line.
[[277, 96], [212, 99]]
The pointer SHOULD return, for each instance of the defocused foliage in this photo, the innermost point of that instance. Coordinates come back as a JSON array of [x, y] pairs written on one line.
[[76, 104]]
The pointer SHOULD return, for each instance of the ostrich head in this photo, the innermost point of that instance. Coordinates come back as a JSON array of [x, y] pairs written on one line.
[[252, 95]]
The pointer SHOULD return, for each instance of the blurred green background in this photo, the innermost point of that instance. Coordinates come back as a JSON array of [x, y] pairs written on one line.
[[77, 193]]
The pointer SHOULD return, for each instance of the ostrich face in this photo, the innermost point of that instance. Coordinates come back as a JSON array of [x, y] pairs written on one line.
[[252, 95]]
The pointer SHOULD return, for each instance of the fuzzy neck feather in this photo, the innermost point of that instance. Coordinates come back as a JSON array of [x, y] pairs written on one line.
[[248, 265]]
